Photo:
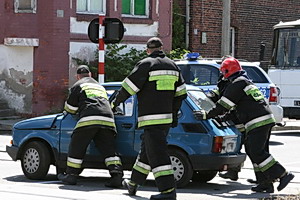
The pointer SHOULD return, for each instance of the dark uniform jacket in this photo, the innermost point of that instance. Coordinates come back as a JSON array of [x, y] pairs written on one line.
[[215, 96], [89, 99], [251, 108], [160, 89]]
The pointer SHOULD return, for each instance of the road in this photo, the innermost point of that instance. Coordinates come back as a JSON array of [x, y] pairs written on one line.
[[285, 147]]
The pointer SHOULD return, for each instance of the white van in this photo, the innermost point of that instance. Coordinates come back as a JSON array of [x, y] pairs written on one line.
[[285, 66]]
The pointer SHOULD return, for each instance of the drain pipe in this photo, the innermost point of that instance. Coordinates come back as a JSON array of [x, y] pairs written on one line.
[[187, 24]]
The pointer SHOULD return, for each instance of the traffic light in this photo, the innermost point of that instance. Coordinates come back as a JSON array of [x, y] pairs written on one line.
[[114, 30]]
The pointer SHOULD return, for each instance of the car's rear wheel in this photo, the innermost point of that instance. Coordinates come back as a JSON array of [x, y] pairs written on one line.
[[204, 176], [182, 167], [35, 160]]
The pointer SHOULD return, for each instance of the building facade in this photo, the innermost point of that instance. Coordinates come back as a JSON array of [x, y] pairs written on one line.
[[39, 39], [251, 24]]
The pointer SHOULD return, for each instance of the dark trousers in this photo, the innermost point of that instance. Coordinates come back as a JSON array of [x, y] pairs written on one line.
[[154, 152], [257, 148], [104, 140]]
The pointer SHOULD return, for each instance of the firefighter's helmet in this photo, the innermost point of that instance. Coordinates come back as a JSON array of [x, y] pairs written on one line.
[[230, 66]]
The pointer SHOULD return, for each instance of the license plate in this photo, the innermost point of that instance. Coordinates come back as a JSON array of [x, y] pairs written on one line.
[[296, 103], [229, 144]]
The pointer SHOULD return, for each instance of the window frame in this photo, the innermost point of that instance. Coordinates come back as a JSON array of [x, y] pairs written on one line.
[[89, 12], [31, 10], [132, 15]]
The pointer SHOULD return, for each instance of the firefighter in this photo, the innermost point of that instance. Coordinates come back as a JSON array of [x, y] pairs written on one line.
[[215, 95], [160, 89], [96, 122], [254, 113]]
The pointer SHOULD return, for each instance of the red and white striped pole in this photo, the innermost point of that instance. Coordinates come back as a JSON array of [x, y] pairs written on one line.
[[101, 51]]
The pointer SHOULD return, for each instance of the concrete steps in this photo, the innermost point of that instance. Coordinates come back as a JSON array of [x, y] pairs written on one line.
[[5, 111]]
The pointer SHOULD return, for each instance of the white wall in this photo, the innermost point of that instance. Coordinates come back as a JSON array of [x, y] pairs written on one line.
[[16, 69]]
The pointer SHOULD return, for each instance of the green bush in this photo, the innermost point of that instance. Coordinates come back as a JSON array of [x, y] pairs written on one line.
[[118, 65]]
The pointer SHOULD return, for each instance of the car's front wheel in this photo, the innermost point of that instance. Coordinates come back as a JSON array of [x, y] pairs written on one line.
[[35, 160], [182, 167]]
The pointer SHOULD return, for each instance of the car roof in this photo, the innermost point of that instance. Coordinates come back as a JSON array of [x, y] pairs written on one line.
[[202, 62]]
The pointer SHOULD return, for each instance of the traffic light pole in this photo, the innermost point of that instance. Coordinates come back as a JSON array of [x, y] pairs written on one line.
[[101, 51]]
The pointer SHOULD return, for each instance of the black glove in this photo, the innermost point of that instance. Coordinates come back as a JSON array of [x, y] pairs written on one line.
[[200, 115], [175, 120], [114, 105]]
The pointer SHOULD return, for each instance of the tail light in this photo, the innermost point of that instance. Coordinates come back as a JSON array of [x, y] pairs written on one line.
[[273, 95], [217, 146]]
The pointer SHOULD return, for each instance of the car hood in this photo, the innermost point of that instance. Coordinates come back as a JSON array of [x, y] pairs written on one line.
[[43, 122]]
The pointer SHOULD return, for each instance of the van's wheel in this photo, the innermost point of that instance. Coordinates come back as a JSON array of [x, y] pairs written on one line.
[[182, 167], [204, 176], [35, 160]]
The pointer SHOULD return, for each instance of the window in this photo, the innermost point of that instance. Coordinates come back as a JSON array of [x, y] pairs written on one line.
[[25, 6], [91, 6], [135, 7], [255, 74], [197, 74], [124, 109]]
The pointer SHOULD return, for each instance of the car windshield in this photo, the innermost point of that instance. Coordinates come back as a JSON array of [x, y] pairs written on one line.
[[255, 74], [200, 75], [201, 100]]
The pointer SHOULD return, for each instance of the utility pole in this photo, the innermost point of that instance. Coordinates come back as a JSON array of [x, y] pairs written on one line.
[[225, 46]]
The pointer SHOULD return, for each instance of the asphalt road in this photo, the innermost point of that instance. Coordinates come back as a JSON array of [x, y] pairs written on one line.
[[285, 147]]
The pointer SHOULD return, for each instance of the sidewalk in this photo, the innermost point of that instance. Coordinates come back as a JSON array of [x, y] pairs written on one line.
[[290, 124]]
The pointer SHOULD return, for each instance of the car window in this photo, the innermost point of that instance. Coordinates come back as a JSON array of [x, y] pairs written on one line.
[[198, 74], [126, 108], [255, 74], [200, 99]]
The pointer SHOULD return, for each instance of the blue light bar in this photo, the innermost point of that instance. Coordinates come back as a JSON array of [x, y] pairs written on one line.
[[192, 56]]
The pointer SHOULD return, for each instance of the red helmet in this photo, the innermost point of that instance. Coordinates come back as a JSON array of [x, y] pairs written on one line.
[[229, 66]]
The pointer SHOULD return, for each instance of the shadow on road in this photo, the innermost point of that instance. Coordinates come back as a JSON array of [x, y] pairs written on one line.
[[230, 190], [287, 133]]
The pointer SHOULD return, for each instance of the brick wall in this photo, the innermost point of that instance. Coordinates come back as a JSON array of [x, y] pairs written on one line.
[[51, 59], [51, 69], [253, 21]]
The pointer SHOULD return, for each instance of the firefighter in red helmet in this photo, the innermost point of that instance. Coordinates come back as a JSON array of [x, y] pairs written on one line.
[[253, 111]]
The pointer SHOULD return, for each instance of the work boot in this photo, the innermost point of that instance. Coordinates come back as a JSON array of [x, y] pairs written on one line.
[[230, 174], [68, 179], [250, 180], [285, 180], [164, 196], [115, 181], [264, 187], [130, 186]]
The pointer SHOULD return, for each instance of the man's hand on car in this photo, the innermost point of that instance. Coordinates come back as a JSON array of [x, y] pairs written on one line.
[[200, 115]]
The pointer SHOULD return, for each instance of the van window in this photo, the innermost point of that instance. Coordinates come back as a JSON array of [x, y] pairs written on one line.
[[195, 74], [255, 74]]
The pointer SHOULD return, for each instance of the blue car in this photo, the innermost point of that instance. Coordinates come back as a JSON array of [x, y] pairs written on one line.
[[198, 149]]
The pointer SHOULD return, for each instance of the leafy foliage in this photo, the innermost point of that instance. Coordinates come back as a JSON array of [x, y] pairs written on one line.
[[177, 53], [119, 61], [178, 26], [118, 65]]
